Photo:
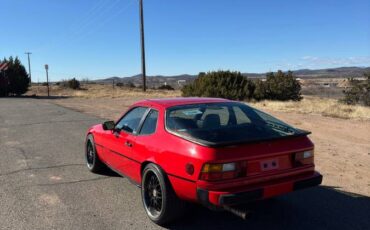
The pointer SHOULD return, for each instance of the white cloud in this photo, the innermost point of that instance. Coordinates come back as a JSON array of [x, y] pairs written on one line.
[[315, 62], [330, 61], [309, 58]]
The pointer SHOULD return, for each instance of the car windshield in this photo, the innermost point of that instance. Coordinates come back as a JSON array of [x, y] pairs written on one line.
[[225, 123]]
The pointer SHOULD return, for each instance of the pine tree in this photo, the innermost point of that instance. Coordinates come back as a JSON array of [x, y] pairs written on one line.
[[17, 77]]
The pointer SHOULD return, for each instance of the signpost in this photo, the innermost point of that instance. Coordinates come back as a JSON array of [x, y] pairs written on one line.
[[47, 77]]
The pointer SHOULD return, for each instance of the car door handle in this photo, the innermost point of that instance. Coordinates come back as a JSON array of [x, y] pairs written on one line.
[[128, 144]]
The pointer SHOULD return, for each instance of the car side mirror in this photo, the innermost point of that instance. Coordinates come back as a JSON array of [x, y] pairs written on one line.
[[109, 125]]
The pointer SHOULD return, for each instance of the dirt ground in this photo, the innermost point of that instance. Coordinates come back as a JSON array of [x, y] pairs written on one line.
[[342, 146], [342, 149]]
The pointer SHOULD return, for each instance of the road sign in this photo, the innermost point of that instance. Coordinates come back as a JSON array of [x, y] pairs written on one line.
[[3, 66]]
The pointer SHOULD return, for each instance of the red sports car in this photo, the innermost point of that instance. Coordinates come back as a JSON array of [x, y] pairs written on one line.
[[211, 151]]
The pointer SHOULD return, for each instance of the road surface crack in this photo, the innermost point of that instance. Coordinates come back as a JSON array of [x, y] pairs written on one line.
[[47, 122], [39, 168], [73, 182]]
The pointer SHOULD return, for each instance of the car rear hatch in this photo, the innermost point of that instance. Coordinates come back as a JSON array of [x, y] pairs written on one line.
[[263, 161]]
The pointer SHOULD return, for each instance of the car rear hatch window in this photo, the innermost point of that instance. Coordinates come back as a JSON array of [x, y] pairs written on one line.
[[226, 123]]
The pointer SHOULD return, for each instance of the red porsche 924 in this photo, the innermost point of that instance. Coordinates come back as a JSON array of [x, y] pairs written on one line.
[[215, 152]]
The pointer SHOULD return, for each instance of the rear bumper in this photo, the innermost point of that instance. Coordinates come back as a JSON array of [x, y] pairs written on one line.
[[216, 198]]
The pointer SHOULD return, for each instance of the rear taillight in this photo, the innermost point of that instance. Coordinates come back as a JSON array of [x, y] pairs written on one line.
[[304, 158], [213, 172]]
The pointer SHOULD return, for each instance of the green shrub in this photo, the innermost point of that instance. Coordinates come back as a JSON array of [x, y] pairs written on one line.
[[130, 84], [282, 87], [260, 90], [166, 87], [359, 93], [224, 84], [232, 85], [119, 84], [73, 84], [188, 90]]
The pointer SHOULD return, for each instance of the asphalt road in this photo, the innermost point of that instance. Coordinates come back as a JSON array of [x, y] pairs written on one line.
[[44, 184]]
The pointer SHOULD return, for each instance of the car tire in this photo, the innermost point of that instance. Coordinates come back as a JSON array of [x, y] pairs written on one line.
[[93, 163], [155, 184]]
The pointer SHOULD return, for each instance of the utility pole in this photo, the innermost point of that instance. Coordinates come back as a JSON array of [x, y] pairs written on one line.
[[47, 77], [29, 65], [142, 45]]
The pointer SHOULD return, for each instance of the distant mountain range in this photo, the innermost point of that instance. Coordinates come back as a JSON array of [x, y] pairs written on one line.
[[179, 80]]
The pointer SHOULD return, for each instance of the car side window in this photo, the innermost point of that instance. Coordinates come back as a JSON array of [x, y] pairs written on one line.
[[130, 122], [150, 123]]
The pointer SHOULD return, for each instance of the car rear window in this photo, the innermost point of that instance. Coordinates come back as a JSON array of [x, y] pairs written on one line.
[[225, 123]]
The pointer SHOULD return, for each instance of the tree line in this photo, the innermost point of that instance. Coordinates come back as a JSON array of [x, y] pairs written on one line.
[[282, 86], [14, 80], [233, 85]]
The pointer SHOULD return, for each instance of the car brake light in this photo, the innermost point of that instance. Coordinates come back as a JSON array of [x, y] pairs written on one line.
[[213, 172], [304, 158]]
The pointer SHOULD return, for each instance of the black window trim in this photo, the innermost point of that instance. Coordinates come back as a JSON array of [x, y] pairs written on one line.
[[146, 115], [134, 133]]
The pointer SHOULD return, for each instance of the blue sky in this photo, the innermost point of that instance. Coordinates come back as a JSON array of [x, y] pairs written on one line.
[[100, 38]]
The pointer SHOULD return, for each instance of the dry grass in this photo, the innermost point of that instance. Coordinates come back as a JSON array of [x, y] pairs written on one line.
[[309, 105], [102, 91], [314, 105]]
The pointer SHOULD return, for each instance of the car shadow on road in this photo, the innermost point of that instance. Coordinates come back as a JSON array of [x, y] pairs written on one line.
[[316, 208], [51, 97], [37, 97], [108, 172]]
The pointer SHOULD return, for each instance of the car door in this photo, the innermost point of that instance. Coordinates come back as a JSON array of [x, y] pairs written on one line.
[[121, 141], [145, 145]]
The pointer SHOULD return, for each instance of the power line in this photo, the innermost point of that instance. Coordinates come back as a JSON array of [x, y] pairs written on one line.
[[83, 28], [77, 28], [101, 23]]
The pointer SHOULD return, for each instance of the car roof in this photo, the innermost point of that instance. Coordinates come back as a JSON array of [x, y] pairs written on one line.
[[169, 102]]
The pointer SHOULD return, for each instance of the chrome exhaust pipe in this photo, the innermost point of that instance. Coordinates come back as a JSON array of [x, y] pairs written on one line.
[[238, 212]]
